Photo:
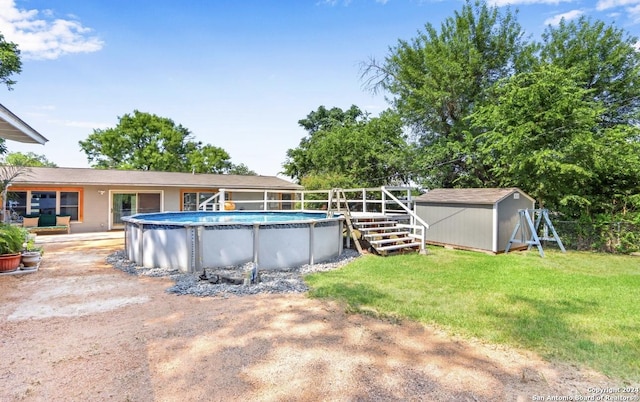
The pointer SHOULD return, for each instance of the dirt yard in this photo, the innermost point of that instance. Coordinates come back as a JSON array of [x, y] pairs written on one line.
[[79, 330]]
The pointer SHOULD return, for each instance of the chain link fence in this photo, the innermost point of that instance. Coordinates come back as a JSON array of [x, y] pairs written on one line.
[[611, 237]]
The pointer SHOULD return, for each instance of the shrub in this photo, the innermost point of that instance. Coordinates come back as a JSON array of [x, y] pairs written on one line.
[[12, 239]]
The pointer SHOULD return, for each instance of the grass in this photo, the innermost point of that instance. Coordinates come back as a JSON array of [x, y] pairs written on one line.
[[576, 307]]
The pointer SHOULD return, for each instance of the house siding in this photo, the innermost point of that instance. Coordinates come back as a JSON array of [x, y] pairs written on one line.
[[98, 186], [97, 206]]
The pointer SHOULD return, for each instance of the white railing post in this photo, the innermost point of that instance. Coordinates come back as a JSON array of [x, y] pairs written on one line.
[[265, 203], [384, 201], [222, 199], [364, 200]]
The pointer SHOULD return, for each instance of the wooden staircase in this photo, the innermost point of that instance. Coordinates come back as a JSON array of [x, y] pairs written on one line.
[[385, 235], [382, 234]]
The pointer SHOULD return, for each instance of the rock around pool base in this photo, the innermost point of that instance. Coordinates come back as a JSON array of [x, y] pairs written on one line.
[[165, 240]]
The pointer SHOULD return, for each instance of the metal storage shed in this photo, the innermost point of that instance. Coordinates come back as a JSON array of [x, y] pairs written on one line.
[[472, 218]]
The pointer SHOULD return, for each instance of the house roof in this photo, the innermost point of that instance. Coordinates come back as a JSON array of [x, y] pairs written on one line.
[[469, 195], [13, 128], [138, 178]]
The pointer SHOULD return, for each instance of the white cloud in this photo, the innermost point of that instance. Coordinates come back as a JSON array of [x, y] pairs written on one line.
[[634, 13], [39, 35], [568, 16], [631, 7], [609, 4], [500, 3]]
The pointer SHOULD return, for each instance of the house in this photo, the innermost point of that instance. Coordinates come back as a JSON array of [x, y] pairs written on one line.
[[472, 218], [97, 199], [13, 128]]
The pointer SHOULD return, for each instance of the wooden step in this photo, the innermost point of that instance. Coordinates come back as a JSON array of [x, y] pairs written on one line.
[[390, 240], [386, 234], [385, 222], [380, 229], [398, 246]]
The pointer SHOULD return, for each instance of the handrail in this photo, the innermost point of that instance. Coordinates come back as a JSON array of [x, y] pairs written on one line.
[[301, 198], [204, 203], [410, 212]]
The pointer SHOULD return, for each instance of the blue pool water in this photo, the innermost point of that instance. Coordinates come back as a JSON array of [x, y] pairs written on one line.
[[231, 217]]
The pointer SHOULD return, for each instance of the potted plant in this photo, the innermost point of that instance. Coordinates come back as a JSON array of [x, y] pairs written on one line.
[[12, 239], [31, 254]]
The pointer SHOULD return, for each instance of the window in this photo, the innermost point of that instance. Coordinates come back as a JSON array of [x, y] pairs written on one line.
[[191, 200], [46, 202], [17, 202], [43, 202], [202, 197], [69, 204]]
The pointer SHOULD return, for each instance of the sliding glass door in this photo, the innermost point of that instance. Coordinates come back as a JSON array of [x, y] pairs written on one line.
[[127, 204]]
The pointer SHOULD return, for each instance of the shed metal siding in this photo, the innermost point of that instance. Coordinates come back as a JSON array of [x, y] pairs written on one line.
[[464, 225], [508, 217], [482, 219]]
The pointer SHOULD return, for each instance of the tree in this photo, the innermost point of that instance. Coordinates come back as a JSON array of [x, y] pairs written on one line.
[[604, 60], [351, 148], [208, 159], [316, 123], [539, 135], [10, 62], [438, 78], [605, 65], [241, 169], [28, 159], [144, 141]]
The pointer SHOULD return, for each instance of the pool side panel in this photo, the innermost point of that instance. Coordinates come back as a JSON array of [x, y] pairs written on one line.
[[226, 245], [131, 242], [166, 246], [283, 246], [192, 247], [327, 242]]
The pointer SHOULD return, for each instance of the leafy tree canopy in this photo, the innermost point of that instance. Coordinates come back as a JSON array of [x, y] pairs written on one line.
[[602, 59], [558, 118], [242, 169], [539, 135], [9, 62], [437, 78], [349, 144], [144, 141], [28, 159]]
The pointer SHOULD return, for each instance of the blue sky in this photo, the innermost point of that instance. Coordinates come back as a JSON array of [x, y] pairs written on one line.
[[238, 74]]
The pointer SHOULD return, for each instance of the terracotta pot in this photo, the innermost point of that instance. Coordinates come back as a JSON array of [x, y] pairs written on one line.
[[9, 262]]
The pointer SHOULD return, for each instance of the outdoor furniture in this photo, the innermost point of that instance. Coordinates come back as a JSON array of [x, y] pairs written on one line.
[[47, 223]]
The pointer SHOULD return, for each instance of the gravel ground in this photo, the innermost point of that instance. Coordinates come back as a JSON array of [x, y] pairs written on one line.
[[288, 280], [80, 330]]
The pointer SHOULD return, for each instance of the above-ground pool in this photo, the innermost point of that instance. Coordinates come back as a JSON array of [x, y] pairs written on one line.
[[192, 241]]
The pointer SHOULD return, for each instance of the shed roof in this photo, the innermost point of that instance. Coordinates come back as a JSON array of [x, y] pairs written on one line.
[[13, 128], [86, 176], [469, 195]]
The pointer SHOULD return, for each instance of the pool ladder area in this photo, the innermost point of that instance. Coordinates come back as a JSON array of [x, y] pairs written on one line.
[[380, 233]]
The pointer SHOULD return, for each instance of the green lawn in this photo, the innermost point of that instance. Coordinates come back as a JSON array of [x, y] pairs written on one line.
[[576, 307]]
